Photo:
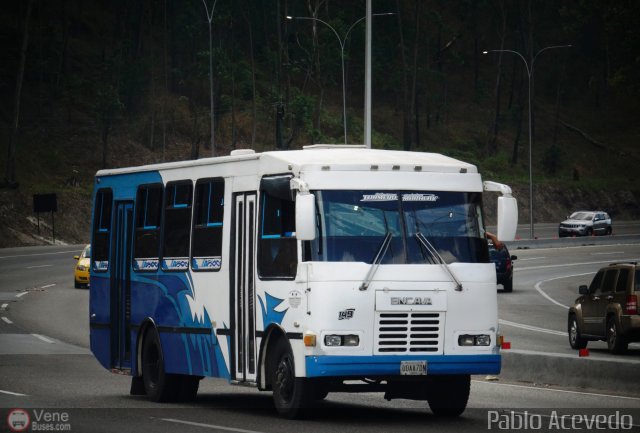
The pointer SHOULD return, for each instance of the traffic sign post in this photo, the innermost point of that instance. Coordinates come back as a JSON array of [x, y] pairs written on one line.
[[46, 203]]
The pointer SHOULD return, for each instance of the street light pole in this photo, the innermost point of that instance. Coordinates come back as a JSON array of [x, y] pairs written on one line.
[[212, 112], [342, 42], [367, 77], [530, 75]]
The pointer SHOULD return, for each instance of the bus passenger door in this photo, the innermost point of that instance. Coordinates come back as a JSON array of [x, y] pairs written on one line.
[[121, 286], [243, 287]]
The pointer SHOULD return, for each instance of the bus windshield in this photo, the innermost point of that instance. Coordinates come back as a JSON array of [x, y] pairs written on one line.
[[353, 224]]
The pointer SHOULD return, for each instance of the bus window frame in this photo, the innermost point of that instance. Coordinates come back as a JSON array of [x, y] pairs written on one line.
[[163, 224], [98, 229], [275, 186], [159, 228], [212, 181]]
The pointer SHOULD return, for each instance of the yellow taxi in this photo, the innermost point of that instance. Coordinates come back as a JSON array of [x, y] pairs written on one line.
[[81, 274]]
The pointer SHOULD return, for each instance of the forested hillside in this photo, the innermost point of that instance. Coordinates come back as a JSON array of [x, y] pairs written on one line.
[[92, 84]]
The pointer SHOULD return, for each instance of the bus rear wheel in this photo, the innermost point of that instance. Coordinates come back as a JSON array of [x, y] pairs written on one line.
[[291, 395], [449, 394]]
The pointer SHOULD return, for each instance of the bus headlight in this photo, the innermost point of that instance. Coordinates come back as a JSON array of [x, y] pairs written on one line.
[[483, 340], [333, 340], [474, 340], [341, 340], [351, 340]]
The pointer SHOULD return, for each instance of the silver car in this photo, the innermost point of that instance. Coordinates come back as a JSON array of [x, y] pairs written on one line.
[[586, 223]]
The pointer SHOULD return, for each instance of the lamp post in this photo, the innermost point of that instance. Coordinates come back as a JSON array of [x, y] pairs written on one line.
[[342, 42], [211, 114], [530, 75]]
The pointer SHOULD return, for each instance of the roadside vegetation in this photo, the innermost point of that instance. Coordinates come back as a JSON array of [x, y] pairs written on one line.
[[90, 85]]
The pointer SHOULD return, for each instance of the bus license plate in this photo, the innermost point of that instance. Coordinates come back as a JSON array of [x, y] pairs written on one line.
[[413, 368]]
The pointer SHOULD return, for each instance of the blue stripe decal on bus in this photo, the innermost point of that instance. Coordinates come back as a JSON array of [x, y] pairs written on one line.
[[269, 313]]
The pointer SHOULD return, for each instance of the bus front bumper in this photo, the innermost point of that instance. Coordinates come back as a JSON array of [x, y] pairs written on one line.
[[341, 366]]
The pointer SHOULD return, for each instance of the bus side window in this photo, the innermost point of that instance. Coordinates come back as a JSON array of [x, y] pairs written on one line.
[[206, 240], [277, 255], [177, 226], [101, 230], [147, 228]]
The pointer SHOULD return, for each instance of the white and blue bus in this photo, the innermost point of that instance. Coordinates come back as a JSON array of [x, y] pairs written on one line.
[[305, 272]]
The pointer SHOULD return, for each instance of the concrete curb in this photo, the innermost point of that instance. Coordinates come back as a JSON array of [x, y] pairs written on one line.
[[618, 376]]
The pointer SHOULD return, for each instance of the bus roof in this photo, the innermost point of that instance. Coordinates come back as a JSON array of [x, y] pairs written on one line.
[[323, 157]]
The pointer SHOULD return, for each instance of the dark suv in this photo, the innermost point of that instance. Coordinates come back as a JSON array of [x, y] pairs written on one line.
[[607, 309], [504, 265]]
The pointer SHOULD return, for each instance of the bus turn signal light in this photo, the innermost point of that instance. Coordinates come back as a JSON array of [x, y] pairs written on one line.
[[310, 340]]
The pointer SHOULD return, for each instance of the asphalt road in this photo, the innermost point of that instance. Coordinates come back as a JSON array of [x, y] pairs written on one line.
[[45, 362], [546, 281]]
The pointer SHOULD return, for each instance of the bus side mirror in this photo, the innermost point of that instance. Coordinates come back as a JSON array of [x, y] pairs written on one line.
[[305, 217], [507, 218]]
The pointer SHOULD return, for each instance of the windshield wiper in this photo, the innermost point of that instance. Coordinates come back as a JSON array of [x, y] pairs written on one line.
[[434, 253], [376, 261]]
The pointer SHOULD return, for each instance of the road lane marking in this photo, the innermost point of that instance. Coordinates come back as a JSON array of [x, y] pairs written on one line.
[[47, 286], [607, 254], [43, 338], [211, 426], [40, 254], [533, 328], [531, 258], [4, 307], [38, 266], [17, 394], [565, 391], [544, 294], [564, 265], [7, 320], [20, 295]]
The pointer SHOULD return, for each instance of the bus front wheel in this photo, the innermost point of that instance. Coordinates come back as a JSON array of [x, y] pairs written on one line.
[[158, 385], [291, 394], [448, 394]]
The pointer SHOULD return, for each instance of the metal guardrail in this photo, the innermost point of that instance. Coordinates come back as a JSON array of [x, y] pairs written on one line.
[[572, 242]]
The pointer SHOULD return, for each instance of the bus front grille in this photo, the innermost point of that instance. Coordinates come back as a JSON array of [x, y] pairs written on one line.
[[408, 333]]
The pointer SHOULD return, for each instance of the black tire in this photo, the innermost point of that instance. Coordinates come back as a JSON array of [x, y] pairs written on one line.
[[589, 232], [508, 286], [449, 394], [615, 342], [320, 393], [137, 386], [77, 285], [291, 395], [575, 338], [187, 388], [159, 386], [609, 231]]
